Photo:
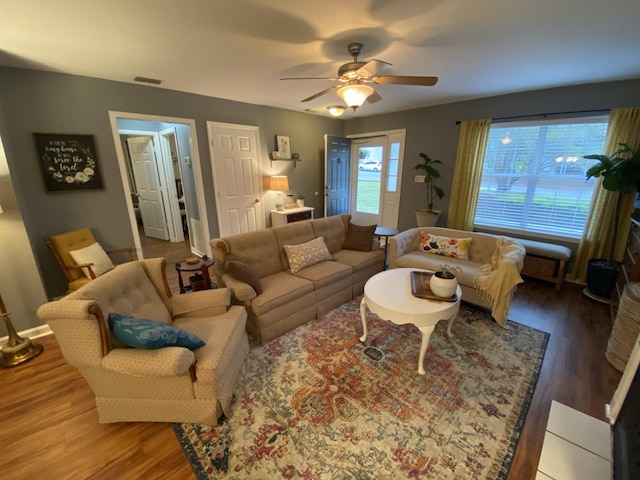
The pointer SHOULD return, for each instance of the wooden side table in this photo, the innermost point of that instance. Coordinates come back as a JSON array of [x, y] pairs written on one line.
[[202, 266]]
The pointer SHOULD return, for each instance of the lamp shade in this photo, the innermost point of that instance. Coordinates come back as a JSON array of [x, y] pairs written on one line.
[[279, 183], [336, 110], [354, 95]]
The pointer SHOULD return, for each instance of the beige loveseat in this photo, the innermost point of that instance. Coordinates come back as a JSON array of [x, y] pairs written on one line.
[[289, 300], [486, 256], [170, 384]]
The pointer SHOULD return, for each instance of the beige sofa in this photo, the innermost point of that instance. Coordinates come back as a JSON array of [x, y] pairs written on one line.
[[484, 251], [170, 384], [289, 300]]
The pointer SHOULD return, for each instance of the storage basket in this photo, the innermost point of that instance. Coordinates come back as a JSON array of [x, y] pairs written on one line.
[[626, 327]]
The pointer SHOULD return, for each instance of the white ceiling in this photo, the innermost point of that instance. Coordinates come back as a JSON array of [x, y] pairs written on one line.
[[239, 49]]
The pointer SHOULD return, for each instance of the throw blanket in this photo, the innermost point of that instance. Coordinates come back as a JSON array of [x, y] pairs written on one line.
[[498, 279]]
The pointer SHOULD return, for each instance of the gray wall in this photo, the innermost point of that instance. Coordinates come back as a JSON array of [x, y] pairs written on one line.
[[434, 131], [44, 102], [33, 101]]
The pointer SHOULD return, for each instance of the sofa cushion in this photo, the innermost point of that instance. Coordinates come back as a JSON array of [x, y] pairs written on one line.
[[447, 246], [243, 272], [292, 234], [333, 229], [147, 334], [259, 249], [222, 334], [359, 261], [359, 237], [466, 274], [280, 289], [232, 257], [306, 254], [325, 273], [95, 254]]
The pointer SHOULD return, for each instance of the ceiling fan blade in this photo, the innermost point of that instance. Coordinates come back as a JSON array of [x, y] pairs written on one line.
[[311, 78], [323, 92], [373, 67], [400, 80], [374, 97]]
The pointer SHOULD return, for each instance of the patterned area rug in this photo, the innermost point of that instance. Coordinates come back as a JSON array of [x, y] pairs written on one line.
[[317, 403]]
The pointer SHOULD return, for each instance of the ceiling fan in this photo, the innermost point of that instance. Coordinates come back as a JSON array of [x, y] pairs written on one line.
[[354, 78]]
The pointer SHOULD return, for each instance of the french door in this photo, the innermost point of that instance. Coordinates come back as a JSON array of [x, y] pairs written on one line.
[[376, 169]]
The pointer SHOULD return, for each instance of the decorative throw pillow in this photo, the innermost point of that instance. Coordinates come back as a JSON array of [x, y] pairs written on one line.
[[233, 257], [95, 254], [243, 272], [450, 247], [149, 335], [306, 254], [359, 237]]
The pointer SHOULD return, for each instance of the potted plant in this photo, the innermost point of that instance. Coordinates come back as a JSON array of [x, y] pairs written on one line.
[[429, 217], [444, 283], [300, 200], [621, 174]]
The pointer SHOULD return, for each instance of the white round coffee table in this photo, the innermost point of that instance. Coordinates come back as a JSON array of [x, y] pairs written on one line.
[[388, 294]]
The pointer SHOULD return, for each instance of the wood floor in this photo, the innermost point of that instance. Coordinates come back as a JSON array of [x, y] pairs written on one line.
[[49, 426], [174, 252]]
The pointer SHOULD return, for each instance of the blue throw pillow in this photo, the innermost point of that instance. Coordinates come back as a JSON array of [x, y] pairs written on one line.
[[147, 334]]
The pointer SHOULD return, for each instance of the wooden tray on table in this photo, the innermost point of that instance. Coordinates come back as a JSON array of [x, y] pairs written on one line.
[[420, 288]]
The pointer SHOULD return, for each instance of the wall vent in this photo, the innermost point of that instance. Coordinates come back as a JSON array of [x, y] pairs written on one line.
[[153, 81]]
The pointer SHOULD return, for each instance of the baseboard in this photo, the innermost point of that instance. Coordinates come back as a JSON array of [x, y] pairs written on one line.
[[35, 332]]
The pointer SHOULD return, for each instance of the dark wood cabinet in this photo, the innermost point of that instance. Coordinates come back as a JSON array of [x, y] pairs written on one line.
[[630, 268]]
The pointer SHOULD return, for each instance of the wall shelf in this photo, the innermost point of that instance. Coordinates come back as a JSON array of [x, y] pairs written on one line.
[[294, 160]]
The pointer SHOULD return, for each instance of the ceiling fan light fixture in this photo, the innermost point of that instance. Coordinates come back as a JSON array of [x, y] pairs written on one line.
[[354, 95], [336, 110]]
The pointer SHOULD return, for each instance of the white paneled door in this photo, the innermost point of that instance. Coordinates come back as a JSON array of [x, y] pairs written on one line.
[[235, 160], [145, 172]]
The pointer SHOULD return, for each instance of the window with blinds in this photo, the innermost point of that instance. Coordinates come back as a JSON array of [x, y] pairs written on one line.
[[534, 175]]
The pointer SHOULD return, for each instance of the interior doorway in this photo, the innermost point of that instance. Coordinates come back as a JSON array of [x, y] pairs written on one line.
[[179, 200], [149, 189]]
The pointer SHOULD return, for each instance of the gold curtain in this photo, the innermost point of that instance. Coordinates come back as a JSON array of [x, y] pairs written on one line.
[[624, 127], [467, 173]]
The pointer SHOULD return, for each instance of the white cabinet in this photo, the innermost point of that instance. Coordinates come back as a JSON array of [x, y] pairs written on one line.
[[290, 215]]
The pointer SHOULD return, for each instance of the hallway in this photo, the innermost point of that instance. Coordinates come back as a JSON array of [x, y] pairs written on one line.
[[174, 252]]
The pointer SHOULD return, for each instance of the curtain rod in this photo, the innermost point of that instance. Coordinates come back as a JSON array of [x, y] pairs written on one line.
[[499, 119]]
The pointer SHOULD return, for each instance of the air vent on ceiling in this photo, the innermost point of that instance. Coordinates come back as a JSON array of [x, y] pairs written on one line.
[[153, 81]]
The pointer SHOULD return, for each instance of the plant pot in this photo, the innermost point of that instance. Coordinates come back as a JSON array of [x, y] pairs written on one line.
[[300, 202], [427, 219], [601, 278], [443, 287]]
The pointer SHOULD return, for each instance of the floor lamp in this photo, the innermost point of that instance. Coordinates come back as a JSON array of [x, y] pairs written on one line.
[[17, 350]]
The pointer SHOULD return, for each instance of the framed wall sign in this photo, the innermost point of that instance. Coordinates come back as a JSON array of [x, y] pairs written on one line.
[[284, 146], [68, 162]]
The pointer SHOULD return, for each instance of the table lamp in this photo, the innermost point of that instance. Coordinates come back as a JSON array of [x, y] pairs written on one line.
[[279, 183], [17, 350]]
